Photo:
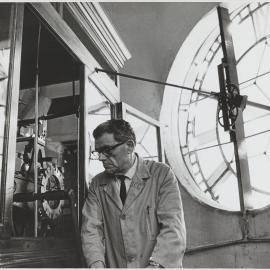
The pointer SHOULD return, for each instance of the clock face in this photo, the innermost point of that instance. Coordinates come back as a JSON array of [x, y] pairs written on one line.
[[203, 156]]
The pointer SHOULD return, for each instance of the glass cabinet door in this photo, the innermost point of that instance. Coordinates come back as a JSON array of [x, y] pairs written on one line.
[[56, 110], [97, 110], [47, 152], [10, 40]]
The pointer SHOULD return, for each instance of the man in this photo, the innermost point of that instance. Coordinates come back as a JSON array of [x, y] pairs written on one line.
[[133, 214]]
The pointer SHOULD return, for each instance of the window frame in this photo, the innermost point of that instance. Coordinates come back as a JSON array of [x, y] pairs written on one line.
[[9, 147], [120, 111]]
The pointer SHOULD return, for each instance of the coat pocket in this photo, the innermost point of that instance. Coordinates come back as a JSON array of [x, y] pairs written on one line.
[[151, 223]]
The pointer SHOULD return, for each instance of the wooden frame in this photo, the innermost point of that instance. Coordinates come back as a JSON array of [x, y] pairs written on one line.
[[55, 22], [9, 148], [100, 32]]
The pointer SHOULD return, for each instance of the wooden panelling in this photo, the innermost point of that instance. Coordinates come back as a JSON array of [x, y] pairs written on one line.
[[26, 252]]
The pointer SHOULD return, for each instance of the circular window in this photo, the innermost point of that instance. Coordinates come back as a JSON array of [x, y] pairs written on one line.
[[197, 147]]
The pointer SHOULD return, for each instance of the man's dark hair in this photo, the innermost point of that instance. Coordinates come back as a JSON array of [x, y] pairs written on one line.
[[121, 130]]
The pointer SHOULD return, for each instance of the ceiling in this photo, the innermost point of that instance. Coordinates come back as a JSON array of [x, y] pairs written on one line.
[[153, 32]]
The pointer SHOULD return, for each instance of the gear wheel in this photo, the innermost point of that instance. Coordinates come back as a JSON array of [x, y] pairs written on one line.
[[52, 180]]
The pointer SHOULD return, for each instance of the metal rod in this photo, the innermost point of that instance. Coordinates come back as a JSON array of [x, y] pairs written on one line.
[[36, 131], [25, 179], [249, 240], [212, 246], [48, 196], [78, 170], [258, 105], [210, 93], [25, 122], [238, 173], [237, 133], [250, 103]]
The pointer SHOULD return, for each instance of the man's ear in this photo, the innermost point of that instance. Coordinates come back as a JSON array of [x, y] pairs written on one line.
[[131, 145]]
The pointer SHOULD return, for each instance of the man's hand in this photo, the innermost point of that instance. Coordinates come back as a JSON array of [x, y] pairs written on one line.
[[153, 264], [97, 264]]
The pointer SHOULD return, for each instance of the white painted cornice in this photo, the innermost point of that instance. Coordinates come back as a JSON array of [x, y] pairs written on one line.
[[101, 32]]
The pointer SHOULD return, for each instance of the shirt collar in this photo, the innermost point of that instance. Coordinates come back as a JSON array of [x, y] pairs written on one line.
[[131, 172]]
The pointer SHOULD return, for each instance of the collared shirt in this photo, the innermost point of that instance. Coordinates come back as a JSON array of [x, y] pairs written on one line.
[[129, 174]]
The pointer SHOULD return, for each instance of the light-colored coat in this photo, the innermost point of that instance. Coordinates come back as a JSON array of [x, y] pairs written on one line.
[[151, 223]]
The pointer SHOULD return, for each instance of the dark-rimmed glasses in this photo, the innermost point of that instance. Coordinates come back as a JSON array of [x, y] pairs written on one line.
[[106, 151]]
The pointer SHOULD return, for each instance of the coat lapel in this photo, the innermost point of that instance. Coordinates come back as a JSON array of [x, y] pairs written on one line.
[[137, 184], [110, 189]]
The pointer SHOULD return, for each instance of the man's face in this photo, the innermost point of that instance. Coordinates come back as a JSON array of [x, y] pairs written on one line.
[[119, 159]]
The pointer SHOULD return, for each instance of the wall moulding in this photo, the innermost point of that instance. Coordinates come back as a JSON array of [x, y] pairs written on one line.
[[101, 32]]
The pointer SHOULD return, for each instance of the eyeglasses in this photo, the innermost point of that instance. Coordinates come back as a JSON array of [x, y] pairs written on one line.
[[106, 151]]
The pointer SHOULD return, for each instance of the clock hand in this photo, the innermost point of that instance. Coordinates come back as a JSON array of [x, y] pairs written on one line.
[[258, 105], [254, 78], [219, 144]]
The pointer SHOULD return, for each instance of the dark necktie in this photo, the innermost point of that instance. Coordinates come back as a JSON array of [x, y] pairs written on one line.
[[123, 191]]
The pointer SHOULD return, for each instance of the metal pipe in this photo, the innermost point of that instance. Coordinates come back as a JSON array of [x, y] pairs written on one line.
[[25, 122], [213, 246], [48, 196], [248, 240], [36, 132], [77, 207]]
